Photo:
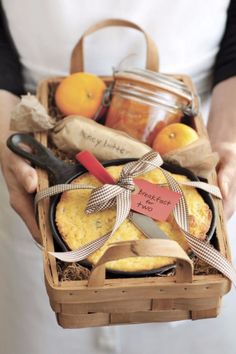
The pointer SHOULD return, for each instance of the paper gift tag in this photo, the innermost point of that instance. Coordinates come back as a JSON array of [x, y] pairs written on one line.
[[153, 200]]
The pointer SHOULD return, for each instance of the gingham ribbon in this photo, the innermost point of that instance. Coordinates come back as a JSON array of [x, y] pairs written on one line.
[[202, 249], [120, 195]]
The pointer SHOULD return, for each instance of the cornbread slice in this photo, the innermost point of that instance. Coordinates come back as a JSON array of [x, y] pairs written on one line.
[[78, 228]]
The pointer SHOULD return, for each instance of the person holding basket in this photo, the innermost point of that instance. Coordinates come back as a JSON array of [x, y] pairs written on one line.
[[38, 44]]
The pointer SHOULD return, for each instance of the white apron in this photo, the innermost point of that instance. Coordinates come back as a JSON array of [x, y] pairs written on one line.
[[187, 34]]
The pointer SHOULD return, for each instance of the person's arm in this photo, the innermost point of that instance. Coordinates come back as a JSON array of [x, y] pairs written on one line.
[[222, 117], [222, 132], [21, 178]]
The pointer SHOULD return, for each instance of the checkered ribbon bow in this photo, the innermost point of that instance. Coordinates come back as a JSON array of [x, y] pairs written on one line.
[[119, 194]]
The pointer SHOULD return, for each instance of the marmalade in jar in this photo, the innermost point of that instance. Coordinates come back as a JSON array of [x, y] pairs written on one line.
[[142, 100]]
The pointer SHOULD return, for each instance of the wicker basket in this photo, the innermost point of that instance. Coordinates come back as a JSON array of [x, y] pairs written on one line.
[[103, 302]]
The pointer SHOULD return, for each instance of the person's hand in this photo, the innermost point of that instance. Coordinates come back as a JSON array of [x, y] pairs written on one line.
[[222, 131], [227, 176], [21, 180]]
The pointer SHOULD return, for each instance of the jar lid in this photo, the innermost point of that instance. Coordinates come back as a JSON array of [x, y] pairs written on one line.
[[164, 82], [156, 79], [146, 96]]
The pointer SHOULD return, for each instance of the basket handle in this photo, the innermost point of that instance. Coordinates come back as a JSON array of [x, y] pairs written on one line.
[[144, 248], [77, 57]]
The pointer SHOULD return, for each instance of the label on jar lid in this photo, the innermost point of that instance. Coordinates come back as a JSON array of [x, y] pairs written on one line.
[[153, 200]]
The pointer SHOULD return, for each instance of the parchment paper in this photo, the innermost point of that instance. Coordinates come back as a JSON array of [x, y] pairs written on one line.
[[29, 115]]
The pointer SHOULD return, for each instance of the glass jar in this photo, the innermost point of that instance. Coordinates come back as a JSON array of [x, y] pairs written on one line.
[[143, 100]]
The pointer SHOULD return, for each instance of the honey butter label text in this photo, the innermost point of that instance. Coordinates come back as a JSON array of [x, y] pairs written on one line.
[[99, 142]]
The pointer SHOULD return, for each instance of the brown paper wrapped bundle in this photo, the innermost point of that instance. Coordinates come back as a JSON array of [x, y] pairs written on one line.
[[76, 133]]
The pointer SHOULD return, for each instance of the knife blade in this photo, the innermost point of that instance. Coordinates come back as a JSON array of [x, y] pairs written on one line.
[[147, 225]]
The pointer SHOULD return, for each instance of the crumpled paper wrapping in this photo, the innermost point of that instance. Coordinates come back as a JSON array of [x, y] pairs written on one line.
[[30, 116], [74, 133], [197, 157]]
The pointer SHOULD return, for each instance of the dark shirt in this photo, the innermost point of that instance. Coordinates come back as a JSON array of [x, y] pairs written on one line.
[[225, 66], [11, 70]]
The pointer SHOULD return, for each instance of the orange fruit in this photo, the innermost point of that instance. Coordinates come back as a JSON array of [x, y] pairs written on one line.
[[81, 94], [174, 136]]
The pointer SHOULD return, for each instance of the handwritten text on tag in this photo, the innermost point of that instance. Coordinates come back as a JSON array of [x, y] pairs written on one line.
[[152, 200]]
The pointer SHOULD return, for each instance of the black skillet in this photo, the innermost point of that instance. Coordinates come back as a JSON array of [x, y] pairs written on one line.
[[61, 172]]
